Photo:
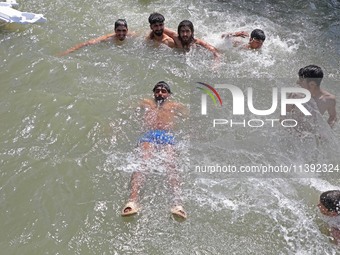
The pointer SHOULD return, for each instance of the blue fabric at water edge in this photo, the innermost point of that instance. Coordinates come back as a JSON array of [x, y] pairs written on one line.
[[158, 137]]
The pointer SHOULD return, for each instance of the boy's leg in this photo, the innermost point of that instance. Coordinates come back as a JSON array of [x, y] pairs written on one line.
[[174, 182], [137, 181]]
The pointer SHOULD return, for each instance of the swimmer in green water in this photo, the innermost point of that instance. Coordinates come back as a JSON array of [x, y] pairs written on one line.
[[184, 38], [256, 39], [329, 206], [159, 121], [121, 32], [157, 34]]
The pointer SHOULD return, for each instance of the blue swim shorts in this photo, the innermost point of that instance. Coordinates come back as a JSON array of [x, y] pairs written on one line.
[[158, 137]]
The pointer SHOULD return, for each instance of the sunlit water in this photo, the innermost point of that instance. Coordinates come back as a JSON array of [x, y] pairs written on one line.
[[69, 131]]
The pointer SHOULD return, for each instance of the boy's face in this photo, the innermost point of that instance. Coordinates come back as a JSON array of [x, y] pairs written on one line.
[[121, 32], [325, 211], [161, 93], [303, 83], [185, 34], [255, 44], [309, 85], [157, 28]]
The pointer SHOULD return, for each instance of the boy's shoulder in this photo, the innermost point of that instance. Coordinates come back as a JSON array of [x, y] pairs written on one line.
[[327, 96]]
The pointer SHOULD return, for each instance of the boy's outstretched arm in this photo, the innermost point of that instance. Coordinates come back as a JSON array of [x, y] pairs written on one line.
[[209, 47], [90, 42]]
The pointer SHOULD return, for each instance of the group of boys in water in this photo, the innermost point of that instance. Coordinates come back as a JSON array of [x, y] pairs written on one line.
[[183, 39], [161, 111]]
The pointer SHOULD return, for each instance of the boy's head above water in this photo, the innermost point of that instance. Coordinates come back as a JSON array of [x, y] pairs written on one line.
[[329, 203]]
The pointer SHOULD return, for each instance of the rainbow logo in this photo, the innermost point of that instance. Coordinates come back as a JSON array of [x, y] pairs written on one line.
[[208, 92]]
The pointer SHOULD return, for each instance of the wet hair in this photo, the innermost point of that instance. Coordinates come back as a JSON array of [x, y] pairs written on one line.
[[258, 34], [331, 200], [311, 73], [121, 22], [162, 84], [186, 23], [156, 18]]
